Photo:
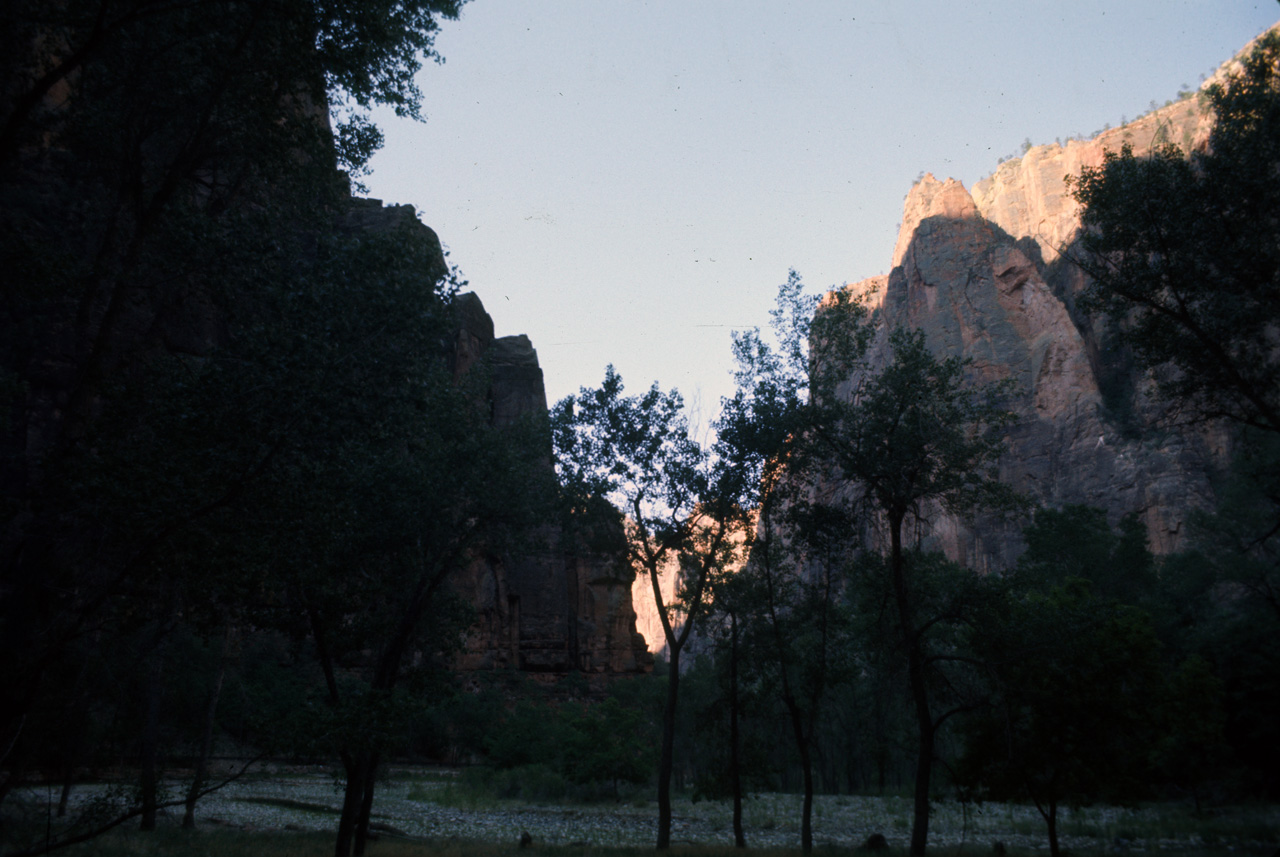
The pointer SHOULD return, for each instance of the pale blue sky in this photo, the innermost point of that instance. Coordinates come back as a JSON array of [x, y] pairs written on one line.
[[628, 182]]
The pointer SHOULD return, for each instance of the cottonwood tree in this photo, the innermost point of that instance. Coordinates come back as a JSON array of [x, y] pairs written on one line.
[[723, 626], [1078, 542], [912, 434], [1077, 711], [169, 338], [395, 480], [681, 509], [902, 437], [1182, 259], [801, 627]]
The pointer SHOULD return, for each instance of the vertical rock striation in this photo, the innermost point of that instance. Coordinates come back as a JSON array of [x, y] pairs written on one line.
[[544, 609], [974, 274], [548, 609]]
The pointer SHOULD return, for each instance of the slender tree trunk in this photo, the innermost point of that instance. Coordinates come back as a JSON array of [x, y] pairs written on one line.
[[666, 761], [351, 800], [149, 779], [206, 736], [806, 773], [806, 819], [735, 763], [924, 770], [366, 803], [919, 693], [1051, 820], [794, 713], [64, 797]]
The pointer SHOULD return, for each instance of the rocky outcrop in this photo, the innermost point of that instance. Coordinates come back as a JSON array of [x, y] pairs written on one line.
[[648, 623], [550, 613], [548, 608], [1029, 197], [973, 271], [545, 608]]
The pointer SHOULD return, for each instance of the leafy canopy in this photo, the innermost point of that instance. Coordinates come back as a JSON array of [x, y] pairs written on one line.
[[1182, 252]]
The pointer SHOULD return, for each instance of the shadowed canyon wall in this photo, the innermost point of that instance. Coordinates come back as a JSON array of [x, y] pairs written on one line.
[[545, 610]]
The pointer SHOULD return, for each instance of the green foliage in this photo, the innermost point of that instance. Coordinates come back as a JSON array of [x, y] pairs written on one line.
[[1192, 749], [1078, 679], [1078, 542], [607, 743], [1183, 262], [682, 508], [540, 750], [231, 401], [165, 66], [830, 439], [1181, 252], [1221, 606], [634, 450]]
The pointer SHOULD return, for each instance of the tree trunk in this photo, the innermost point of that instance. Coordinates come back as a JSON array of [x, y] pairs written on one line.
[[806, 773], [366, 803], [924, 769], [919, 693], [666, 760], [206, 736], [149, 779], [1051, 820], [64, 797], [351, 800], [735, 763], [806, 819]]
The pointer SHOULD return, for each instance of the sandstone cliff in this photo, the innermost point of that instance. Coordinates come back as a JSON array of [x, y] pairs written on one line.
[[987, 276], [549, 609], [976, 294]]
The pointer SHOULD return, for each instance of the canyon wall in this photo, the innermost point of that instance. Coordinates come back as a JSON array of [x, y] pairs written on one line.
[[546, 609], [987, 276]]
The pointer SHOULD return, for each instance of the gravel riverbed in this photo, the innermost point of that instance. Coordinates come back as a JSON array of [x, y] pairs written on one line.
[[311, 801]]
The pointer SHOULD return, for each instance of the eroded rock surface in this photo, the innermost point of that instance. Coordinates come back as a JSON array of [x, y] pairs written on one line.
[[548, 608], [979, 292]]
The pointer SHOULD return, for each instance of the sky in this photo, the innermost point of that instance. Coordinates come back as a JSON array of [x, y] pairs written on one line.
[[629, 182]]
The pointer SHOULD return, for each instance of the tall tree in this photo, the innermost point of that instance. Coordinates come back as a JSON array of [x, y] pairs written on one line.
[[1078, 704], [1181, 252], [917, 433], [195, 335], [1182, 259], [889, 441], [800, 618], [680, 505]]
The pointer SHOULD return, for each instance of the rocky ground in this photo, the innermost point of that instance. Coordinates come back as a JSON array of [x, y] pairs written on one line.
[[289, 800]]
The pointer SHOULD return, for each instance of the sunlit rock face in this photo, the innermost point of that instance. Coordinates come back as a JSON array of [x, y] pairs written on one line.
[[980, 292], [1029, 198], [547, 610]]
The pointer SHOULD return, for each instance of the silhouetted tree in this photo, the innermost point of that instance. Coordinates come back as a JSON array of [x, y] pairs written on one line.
[[1181, 252], [1078, 710], [681, 510], [884, 441]]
